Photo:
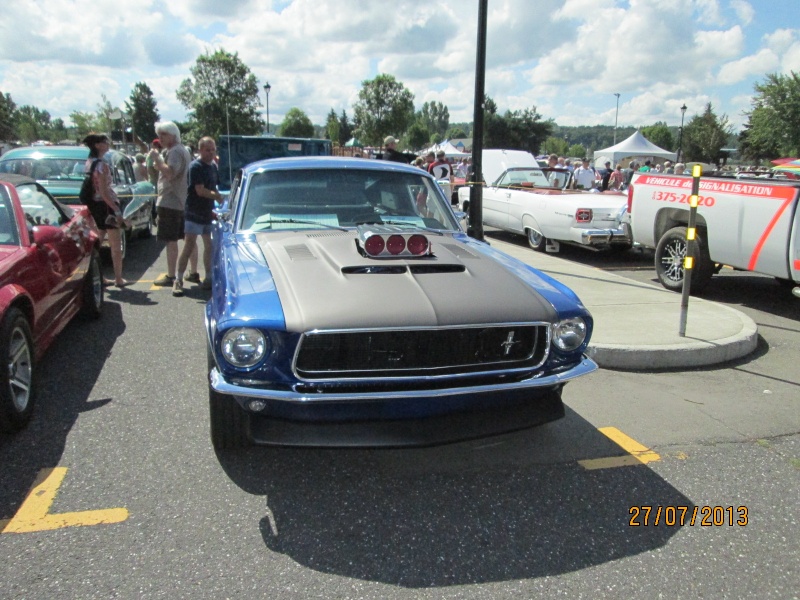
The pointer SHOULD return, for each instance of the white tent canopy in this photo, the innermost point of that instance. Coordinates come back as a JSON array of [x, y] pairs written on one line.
[[636, 145], [450, 151]]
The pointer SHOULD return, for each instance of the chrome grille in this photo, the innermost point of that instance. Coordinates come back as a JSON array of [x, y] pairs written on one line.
[[421, 352]]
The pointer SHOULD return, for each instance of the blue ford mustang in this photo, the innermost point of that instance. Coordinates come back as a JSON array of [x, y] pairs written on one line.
[[349, 308]]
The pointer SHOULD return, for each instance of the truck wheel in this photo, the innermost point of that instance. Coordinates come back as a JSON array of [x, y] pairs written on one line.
[[670, 252], [17, 391], [536, 240], [230, 424]]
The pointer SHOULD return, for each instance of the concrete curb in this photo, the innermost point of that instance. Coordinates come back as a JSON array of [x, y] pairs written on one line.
[[687, 354]]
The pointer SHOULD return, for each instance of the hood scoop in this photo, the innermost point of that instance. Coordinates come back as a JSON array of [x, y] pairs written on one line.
[[391, 241], [299, 252]]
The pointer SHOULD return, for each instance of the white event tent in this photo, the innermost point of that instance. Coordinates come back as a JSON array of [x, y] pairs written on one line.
[[636, 145], [450, 151]]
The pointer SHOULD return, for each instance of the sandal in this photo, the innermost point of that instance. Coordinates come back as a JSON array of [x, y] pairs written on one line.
[[121, 284], [108, 282]]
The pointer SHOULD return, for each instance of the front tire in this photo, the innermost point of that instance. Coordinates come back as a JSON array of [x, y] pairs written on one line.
[[670, 253], [17, 370], [230, 424], [536, 240], [93, 297]]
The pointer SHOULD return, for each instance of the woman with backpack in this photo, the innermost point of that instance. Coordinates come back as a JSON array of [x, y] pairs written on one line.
[[105, 206]]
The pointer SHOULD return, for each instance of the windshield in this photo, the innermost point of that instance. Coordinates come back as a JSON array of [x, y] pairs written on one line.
[[52, 169], [324, 198], [531, 177], [8, 223]]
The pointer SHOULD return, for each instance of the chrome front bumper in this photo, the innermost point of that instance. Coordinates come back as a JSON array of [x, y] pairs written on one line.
[[218, 384]]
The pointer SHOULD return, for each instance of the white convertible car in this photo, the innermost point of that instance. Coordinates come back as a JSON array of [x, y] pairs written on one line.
[[522, 197]]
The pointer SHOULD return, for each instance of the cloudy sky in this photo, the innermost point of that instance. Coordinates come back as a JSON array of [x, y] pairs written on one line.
[[565, 57]]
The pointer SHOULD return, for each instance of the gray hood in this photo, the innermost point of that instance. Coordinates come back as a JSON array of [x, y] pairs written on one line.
[[316, 294]]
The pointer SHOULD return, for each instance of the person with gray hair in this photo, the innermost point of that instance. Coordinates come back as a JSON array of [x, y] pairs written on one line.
[[173, 186]]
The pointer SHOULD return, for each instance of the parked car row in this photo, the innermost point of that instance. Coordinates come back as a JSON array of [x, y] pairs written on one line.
[[523, 197], [60, 169], [338, 314], [49, 272]]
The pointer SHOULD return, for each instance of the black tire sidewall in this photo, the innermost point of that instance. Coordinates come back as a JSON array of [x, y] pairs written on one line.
[[91, 308], [10, 418], [703, 269]]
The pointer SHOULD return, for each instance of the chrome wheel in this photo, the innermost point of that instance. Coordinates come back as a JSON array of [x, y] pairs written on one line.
[[672, 260], [20, 369], [536, 240]]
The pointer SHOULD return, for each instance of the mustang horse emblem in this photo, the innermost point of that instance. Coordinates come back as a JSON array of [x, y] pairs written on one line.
[[508, 343]]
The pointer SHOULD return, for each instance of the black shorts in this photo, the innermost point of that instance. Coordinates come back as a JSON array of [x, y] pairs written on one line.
[[100, 212], [170, 224]]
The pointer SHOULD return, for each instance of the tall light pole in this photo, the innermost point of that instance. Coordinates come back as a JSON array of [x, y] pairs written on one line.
[[267, 88], [680, 135], [616, 119]]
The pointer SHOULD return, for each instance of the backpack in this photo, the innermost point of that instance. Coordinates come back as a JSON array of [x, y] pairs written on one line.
[[86, 194]]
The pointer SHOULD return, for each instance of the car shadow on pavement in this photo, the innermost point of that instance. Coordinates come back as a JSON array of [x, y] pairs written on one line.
[[499, 509], [66, 376]]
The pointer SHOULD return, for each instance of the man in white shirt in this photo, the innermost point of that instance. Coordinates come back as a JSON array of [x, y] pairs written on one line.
[[584, 176]]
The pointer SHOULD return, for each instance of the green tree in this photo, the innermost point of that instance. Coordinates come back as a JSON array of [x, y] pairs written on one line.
[[143, 111], [32, 123], [417, 136], [457, 132], [660, 135], [332, 127], [297, 124], [85, 123], [346, 128], [773, 127], [516, 130], [384, 107], [221, 96], [104, 115], [8, 117], [436, 117], [576, 150], [58, 130], [556, 145], [704, 137]]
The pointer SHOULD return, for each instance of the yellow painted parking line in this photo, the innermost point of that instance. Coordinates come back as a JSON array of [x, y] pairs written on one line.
[[34, 513], [637, 453]]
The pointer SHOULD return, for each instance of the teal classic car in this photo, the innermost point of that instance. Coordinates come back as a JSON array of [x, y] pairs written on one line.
[[59, 169]]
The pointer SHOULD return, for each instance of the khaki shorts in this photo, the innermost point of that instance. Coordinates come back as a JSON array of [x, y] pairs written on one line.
[[170, 224]]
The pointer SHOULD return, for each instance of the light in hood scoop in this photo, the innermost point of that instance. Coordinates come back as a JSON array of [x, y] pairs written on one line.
[[388, 241]]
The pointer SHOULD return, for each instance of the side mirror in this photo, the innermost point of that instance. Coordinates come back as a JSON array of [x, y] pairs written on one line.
[[47, 234]]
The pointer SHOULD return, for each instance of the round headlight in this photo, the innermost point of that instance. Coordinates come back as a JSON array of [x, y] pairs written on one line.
[[243, 346], [569, 334]]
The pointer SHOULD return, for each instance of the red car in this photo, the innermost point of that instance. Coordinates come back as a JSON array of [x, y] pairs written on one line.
[[49, 271]]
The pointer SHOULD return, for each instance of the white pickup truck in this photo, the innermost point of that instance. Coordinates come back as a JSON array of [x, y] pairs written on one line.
[[752, 225]]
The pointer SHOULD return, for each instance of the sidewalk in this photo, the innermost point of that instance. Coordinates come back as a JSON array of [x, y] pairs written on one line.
[[636, 324]]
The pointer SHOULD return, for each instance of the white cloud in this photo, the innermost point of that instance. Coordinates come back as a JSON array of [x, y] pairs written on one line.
[[566, 57], [744, 11], [765, 61]]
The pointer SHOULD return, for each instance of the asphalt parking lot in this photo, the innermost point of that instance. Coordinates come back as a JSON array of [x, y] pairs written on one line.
[[114, 490]]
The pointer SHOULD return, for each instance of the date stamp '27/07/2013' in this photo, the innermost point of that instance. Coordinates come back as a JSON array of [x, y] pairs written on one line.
[[705, 516]]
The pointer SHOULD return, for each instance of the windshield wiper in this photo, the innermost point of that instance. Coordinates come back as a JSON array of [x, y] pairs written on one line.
[[408, 224], [262, 220]]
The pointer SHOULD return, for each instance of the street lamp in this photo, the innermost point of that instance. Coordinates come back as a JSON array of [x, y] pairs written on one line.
[[616, 119], [267, 88], [680, 135]]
